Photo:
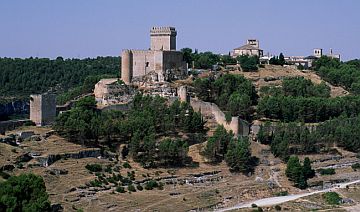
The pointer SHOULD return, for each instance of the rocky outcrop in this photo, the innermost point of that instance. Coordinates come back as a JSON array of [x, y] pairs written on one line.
[[15, 107], [50, 159]]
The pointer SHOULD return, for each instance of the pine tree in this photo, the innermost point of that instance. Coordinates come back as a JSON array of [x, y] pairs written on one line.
[[238, 156], [307, 170], [293, 169]]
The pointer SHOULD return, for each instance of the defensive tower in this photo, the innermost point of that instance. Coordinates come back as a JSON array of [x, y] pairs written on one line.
[[163, 38]]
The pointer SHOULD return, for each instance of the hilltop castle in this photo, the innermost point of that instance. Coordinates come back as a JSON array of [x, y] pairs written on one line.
[[159, 60]]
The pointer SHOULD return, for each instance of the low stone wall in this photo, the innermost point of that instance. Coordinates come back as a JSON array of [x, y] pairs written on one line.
[[10, 125], [50, 159], [207, 109]]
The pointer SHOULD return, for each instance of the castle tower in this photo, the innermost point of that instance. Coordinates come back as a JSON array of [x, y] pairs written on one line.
[[163, 38], [318, 52], [43, 109], [126, 66]]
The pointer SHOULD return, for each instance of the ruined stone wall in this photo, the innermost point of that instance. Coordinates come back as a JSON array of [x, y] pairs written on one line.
[[35, 109], [48, 107], [11, 125], [102, 88], [183, 94], [207, 109], [43, 109]]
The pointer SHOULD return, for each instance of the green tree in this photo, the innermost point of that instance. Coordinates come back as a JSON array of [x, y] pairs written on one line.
[[307, 169], [332, 198], [282, 59], [26, 192], [293, 169], [188, 55], [217, 144], [238, 156], [248, 63]]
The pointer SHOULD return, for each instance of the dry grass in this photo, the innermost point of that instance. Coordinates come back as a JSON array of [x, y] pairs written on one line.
[[281, 72], [229, 190]]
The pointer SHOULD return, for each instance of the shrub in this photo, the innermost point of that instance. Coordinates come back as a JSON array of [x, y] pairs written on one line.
[[329, 171], [95, 183], [131, 188], [139, 187], [4, 175], [120, 189], [131, 175], [282, 193], [151, 184], [355, 166], [94, 167], [161, 186], [108, 169], [126, 165], [332, 198]]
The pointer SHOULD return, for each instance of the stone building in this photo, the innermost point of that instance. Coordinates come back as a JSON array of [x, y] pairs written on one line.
[[43, 109], [160, 59], [251, 48], [319, 53]]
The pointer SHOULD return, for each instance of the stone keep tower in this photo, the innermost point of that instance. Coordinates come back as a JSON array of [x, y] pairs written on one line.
[[126, 66], [163, 38], [43, 109]]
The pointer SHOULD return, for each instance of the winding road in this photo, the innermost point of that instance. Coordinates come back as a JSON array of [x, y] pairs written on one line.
[[278, 200]]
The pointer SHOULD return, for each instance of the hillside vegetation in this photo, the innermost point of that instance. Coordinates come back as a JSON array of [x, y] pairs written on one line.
[[21, 77]]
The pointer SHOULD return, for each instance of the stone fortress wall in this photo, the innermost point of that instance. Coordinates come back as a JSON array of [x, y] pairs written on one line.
[[238, 126], [210, 110]]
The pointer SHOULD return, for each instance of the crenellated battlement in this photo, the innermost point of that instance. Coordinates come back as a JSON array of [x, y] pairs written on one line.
[[163, 31]]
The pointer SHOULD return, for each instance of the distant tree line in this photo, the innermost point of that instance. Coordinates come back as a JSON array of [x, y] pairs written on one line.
[[233, 93], [311, 109], [346, 74], [298, 99], [278, 60], [206, 60], [22, 77], [294, 138]]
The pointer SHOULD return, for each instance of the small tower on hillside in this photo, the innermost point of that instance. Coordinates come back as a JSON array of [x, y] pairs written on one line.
[[43, 109]]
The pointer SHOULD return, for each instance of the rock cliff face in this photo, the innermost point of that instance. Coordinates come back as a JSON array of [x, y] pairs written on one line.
[[50, 159], [15, 107]]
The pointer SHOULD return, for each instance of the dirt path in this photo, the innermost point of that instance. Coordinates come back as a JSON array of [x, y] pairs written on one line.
[[278, 200]]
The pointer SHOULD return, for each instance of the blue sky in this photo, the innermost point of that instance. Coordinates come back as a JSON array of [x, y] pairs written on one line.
[[90, 28]]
